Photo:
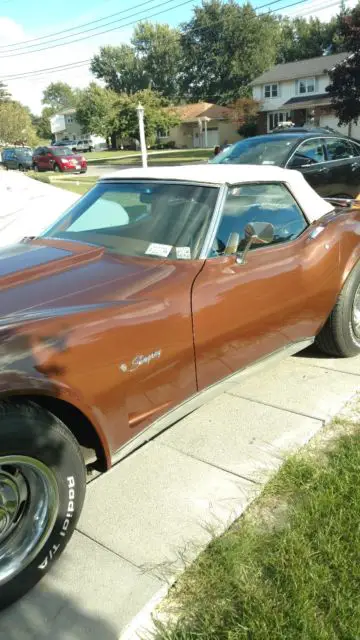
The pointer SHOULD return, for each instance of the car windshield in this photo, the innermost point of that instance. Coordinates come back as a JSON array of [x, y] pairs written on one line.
[[26, 152], [152, 219], [62, 151], [257, 151]]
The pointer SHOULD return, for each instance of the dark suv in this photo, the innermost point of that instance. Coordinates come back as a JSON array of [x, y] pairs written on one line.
[[17, 158], [329, 162]]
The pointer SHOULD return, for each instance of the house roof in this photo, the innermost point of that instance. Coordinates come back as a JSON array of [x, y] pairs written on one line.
[[315, 100], [312, 204], [191, 112], [300, 69], [65, 112]]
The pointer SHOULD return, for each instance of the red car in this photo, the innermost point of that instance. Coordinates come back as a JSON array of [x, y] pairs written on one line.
[[58, 159]]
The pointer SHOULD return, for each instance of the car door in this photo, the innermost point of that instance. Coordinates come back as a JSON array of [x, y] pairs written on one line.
[[281, 295], [344, 160], [10, 159], [47, 159], [309, 158], [40, 158]]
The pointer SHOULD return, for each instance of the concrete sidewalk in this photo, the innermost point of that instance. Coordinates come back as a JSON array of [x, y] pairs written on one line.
[[161, 504]]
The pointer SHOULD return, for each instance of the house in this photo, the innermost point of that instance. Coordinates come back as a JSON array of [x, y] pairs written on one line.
[[64, 126], [202, 125], [296, 91]]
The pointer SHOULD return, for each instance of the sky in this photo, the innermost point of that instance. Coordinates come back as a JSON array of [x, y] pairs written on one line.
[[23, 20]]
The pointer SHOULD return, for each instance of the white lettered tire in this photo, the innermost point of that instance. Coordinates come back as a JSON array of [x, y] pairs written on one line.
[[42, 490]]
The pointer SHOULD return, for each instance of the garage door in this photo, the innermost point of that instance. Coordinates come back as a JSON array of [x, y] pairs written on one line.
[[213, 137]]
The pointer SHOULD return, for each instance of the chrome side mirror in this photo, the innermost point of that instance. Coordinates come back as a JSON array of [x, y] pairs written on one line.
[[256, 233]]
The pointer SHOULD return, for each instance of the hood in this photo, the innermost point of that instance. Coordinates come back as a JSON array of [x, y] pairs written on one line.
[[46, 278]]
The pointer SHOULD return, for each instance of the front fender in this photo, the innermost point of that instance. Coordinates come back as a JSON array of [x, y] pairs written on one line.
[[14, 382], [351, 261]]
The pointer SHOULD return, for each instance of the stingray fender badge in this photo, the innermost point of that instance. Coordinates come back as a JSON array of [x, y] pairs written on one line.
[[140, 360]]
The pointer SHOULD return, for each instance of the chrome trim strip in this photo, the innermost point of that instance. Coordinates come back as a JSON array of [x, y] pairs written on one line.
[[214, 223], [198, 399]]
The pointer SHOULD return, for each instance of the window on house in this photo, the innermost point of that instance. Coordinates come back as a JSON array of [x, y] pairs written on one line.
[[277, 117], [306, 85], [69, 120], [163, 133], [271, 90]]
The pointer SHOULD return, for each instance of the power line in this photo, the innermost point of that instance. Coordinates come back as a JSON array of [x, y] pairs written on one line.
[[54, 46], [80, 63], [21, 44], [134, 22]]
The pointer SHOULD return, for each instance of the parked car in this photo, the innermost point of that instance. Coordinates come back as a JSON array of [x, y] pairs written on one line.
[[58, 159], [62, 143], [19, 158], [153, 289], [329, 162], [82, 145]]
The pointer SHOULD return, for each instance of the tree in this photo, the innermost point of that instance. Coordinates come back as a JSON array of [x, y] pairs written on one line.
[[97, 110], [158, 47], [58, 96], [15, 124], [158, 115], [245, 115], [225, 46], [302, 39], [4, 94], [42, 123], [345, 77], [120, 69]]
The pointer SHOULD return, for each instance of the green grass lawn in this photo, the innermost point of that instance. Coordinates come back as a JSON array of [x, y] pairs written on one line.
[[154, 157], [289, 569], [107, 155], [71, 182], [75, 187]]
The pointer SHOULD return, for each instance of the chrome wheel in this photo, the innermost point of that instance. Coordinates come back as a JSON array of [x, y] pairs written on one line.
[[29, 502], [356, 313]]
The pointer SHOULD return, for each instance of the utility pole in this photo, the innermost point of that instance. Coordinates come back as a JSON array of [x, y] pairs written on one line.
[[140, 112]]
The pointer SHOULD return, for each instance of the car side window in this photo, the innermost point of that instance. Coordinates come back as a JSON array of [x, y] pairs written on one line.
[[339, 149], [308, 152], [356, 148], [259, 203]]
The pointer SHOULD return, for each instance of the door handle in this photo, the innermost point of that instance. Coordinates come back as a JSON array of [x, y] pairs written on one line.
[[355, 166], [323, 170]]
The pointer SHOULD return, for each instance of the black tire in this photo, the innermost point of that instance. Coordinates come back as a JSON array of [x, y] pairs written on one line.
[[31, 431], [57, 168], [21, 167], [340, 336]]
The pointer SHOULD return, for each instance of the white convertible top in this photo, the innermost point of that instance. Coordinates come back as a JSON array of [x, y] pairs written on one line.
[[311, 203]]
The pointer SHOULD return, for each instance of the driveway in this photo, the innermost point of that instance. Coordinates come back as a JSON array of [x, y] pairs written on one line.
[[160, 505]]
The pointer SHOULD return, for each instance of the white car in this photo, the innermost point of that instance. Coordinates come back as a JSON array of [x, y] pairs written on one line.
[[82, 145]]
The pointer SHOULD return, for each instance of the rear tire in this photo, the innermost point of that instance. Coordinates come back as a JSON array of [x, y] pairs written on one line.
[[42, 490], [340, 336], [21, 167]]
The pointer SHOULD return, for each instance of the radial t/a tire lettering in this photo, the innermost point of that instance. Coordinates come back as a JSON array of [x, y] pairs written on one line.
[[42, 490], [340, 335]]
